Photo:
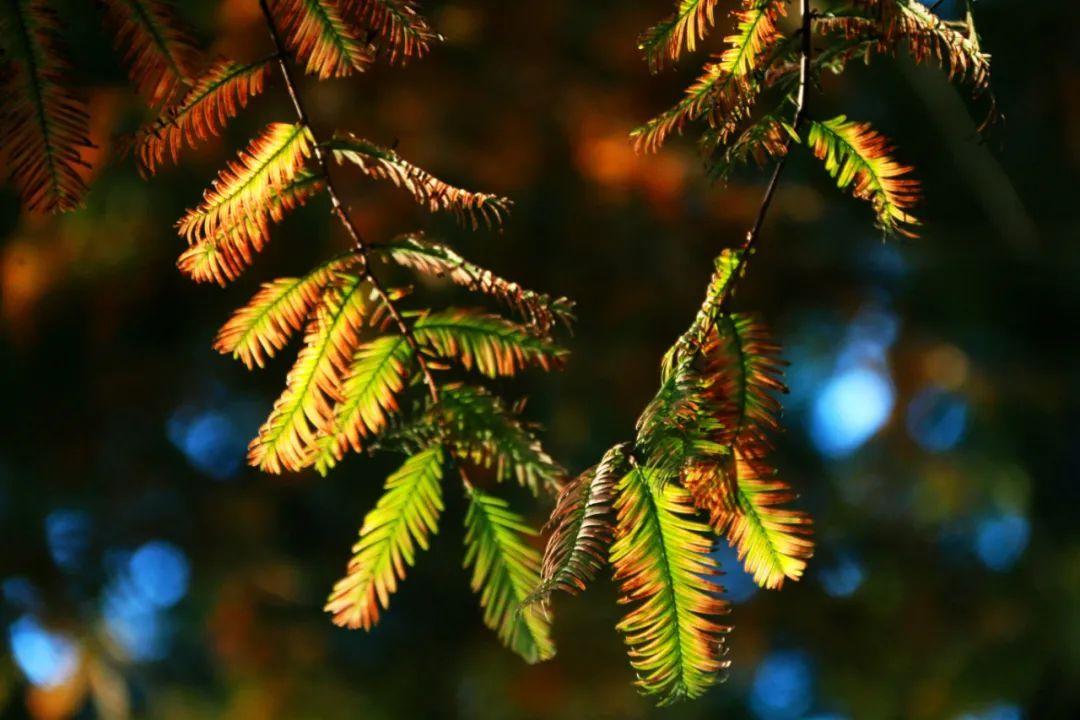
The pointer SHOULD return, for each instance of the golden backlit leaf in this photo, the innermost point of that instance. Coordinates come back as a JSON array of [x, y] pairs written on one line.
[[287, 440], [402, 522], [322, 40], [215, 97], [666, 572]]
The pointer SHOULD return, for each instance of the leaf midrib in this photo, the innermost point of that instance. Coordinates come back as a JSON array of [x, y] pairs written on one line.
[[324, 345], [298, 130], [162, 44], [38, 99]]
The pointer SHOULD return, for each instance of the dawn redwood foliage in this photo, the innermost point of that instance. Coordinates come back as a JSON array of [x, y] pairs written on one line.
[[379, 371], [372, 373], [698, 469]]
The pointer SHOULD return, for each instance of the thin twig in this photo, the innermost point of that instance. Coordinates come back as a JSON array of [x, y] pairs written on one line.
[[805, 57], [806, 54], [338, 208], [282, 57]]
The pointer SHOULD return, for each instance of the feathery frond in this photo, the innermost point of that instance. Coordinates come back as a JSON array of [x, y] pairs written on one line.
[[430, 258], [675, 426], [745, 373], [215, 97], [369, 397], [286, 441], [231, 248], [695, 102], [383, 163], [158, 49], [928, 36], [725, 98], [773, 542], [689, 419], [491, 344], [258, 330], [664, 42], [505, 569], [320, 37], [755, 34], [44, 127], [711, 483], [479, 428], [403, 32], [663, 563], [721, 284], [727, 87], [580, 529], [766, 139], [405, 517], [248, 185], [857, 156], [893, 24]]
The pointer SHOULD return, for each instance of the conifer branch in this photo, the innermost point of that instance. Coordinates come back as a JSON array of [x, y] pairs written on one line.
[[806, 53], [342, 393], [701, 443], [338, 208]]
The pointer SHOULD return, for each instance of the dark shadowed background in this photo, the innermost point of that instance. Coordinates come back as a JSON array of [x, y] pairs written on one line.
[[933, 425]]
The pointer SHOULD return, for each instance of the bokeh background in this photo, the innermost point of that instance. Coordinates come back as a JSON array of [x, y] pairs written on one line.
[[933, 425]]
